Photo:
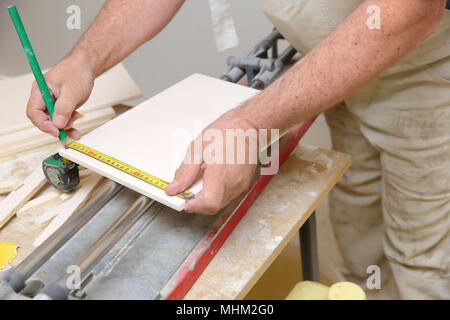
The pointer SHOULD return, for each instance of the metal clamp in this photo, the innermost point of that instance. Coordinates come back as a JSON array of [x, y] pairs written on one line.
[[257, 65]]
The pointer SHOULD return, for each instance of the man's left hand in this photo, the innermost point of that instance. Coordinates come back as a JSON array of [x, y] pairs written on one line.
[[222, 180]]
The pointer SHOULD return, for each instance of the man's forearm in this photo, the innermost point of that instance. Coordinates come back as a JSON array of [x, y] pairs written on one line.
[[120, 28], [348, 59]]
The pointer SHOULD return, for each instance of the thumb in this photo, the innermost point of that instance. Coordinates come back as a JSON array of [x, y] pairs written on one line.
[[184, 177], [64, 107]]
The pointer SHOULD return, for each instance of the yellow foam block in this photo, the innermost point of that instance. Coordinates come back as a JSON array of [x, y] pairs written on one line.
[[308, 290], [346, 291], [8, 252]]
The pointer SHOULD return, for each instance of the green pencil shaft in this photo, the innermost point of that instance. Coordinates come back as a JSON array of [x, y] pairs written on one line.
[[48, 100]]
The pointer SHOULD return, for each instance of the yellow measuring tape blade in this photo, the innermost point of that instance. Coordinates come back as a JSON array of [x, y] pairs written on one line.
[[132, 171]]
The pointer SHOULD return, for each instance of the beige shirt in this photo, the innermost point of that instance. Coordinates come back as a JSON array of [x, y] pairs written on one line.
[[305, 23]]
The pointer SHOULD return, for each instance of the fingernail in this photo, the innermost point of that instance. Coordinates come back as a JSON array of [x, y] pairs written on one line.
[[59, 120], [173, 185], [77, 136]]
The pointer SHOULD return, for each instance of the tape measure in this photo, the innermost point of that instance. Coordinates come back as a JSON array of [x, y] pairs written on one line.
[[132, 171]]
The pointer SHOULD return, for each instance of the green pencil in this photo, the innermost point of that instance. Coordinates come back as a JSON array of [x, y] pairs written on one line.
[[49, 103]]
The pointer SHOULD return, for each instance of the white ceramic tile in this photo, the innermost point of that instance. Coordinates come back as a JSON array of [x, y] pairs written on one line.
[[154, 135]]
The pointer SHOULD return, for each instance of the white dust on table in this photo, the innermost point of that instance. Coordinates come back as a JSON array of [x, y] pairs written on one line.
[[294, 191], [288, 195], [261, 242], [274, 243], [314, 154]]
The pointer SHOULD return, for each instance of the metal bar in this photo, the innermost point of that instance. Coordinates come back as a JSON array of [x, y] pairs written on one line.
[[96, 252], [93, 255], [264, 79], [308, 246], [260, 50], [17, 276], [287, 54]]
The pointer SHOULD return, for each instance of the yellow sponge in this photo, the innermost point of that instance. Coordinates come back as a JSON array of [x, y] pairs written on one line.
[[346, 291], [308, 290], [8, 252]]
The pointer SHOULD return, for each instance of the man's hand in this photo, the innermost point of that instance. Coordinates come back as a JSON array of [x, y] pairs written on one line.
[[119, 28], [222, 180], [70, 82]]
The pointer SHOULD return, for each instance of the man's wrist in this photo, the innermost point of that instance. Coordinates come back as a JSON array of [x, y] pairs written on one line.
[[86, 59], [251, 113]]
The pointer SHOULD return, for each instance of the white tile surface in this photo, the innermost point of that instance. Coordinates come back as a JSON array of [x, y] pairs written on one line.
[[154, 135]]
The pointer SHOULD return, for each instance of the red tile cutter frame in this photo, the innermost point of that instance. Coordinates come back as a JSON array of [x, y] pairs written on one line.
[[260, 71]]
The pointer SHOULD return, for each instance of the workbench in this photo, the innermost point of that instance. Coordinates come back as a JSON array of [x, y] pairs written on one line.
[[284, 207]]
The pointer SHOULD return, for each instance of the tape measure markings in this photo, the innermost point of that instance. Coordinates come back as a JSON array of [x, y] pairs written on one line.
[[141, 175]]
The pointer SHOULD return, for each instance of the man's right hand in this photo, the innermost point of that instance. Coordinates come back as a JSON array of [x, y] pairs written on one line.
[[70, 82], [119, 28]]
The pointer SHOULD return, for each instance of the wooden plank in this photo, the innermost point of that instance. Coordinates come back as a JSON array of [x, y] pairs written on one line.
[[143, 138], [274, 219], [60, 197], [113, 87], [46, 217], [15, 200], [10, 185], [34, 133], [44, 141], [42, 201], [53, 197], [65, 210]]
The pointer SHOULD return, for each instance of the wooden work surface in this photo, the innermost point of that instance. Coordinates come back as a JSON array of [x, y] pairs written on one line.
[[23, 232], [285, 204], [275, 217]]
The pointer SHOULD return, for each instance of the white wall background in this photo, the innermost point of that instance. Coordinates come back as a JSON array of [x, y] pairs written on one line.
[[186, 46]]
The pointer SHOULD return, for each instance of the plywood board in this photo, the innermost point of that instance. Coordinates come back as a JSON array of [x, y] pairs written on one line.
[[115, 86], [33, 133], [154, 136], [42, 202], [10, 185], [66, 209], [15, 200], [44, 140]]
